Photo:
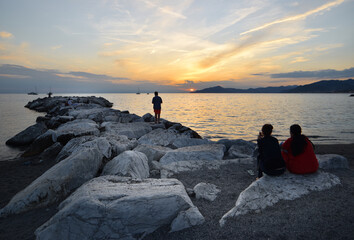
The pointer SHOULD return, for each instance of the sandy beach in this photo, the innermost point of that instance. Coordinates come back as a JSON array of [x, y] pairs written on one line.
[[320, 215]]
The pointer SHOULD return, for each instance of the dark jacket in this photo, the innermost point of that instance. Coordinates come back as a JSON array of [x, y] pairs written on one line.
[[269, 157]]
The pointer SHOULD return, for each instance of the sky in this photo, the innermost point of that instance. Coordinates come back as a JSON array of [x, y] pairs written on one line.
[[172, 45]]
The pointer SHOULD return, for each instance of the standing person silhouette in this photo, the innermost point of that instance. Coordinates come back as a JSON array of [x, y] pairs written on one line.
[[157, 106]]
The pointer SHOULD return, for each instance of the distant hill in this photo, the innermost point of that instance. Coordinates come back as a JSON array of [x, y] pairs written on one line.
[[219, 89], [325, 86]]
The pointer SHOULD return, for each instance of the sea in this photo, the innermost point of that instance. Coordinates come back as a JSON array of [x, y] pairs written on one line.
[[324, 118]]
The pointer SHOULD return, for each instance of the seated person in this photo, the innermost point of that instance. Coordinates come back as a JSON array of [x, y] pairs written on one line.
[[269, 159], [298, 152]]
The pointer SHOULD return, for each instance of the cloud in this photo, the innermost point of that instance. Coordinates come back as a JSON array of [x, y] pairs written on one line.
[[166, 10], [328, 73], [56, 47], [6, 35], [302, 16], [19, 79]]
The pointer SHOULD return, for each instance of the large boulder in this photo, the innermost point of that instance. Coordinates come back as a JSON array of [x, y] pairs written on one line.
[[113, 207], [131, 130], [41, 143], [190, 166], [332, 161], [186, 142], [57, 182], [71, 146], [119, 143], [153, 152], [268, 190], [240, 149], [76, 128], [209, 152], [128, 164], [28, 135], [162, 137]]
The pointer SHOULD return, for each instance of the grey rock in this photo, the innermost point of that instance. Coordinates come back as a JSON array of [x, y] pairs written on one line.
[[268, 190], [153, 152], [113, 207], [71, 146], [189, 166], [28, 135], [332, 161], [186, 142], [52, 151], [240, 149], [76, 128], [131, 130], [209, 152], [128, 164], [41, 143], [206, 191], [119, 143], [57, 182], [162, 137]]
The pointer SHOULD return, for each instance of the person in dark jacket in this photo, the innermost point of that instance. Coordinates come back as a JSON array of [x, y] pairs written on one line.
[[269, 159]]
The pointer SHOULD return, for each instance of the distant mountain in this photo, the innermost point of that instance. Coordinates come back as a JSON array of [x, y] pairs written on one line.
[[326, 86], [219, 89]]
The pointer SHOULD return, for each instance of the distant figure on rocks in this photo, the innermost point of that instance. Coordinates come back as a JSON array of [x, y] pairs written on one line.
[[269, 159], [298, 152], [157, 106]]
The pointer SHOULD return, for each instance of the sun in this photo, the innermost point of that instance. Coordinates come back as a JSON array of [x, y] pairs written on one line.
[[191, 90]]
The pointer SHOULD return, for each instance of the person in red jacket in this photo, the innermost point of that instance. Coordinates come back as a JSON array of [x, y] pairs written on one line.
[[298, 152]]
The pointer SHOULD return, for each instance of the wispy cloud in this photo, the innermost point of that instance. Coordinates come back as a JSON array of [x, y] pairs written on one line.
[[56, 47], [166, 10], [302, 16], [6, 35], [327, 73]]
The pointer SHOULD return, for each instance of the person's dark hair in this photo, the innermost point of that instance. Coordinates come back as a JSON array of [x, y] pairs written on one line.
[[156, 93], [299, 142], [267, 129]]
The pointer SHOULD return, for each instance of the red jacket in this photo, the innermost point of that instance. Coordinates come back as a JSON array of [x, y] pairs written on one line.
[[306, 162]]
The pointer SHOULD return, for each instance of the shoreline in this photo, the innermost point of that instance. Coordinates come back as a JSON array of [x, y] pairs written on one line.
[[15, 175]]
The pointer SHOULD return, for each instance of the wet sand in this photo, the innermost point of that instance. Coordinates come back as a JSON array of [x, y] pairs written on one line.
[[320, 215]]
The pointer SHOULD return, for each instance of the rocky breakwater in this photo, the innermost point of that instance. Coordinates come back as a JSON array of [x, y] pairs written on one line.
[[114, 172]]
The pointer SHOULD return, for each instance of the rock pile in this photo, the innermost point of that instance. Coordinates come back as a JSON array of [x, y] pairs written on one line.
[[114, 170]]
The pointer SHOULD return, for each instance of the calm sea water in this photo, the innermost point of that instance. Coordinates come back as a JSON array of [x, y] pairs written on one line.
[[325, 118]]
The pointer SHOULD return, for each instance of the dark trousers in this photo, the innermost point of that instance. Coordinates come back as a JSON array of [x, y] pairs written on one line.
[[272, 172]]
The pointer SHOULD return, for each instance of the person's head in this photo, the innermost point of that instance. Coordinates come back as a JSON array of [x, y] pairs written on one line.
[[295, 130], [298, 142], [156, 93], [267, 129]]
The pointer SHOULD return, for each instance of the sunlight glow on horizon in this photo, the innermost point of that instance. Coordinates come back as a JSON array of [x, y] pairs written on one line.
[[182, 45]]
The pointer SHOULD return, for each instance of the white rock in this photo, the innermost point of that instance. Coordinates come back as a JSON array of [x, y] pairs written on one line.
[[186, 142], [70, 147], [153, 152], [77, 128], [131, 130], [112, 207], [120, 143], [332, 161], [128, 164], [241, 149], [209, 152], [162, 137], [268, 190], [57, 182], [206, 191], [102, 144], [186, 219], [188, 166]]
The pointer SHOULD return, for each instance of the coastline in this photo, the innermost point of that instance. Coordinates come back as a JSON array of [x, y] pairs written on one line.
[[333, 207]]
